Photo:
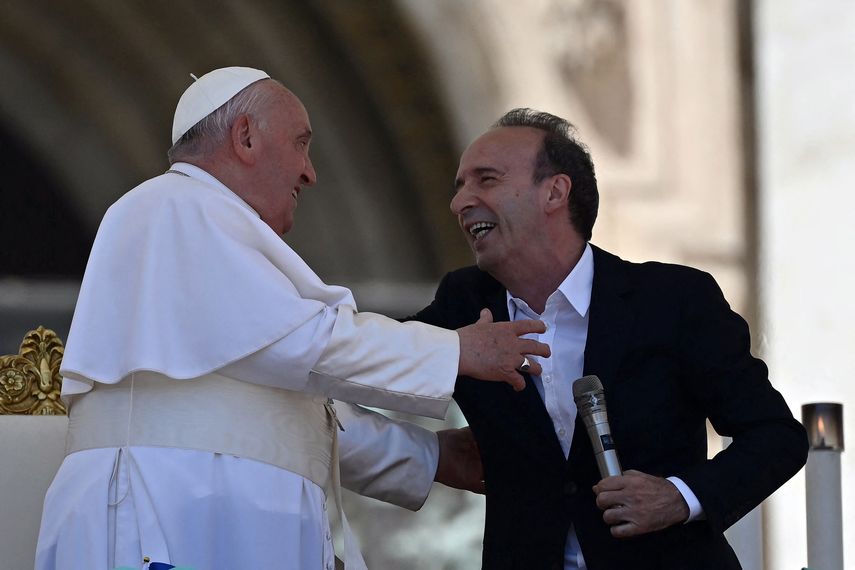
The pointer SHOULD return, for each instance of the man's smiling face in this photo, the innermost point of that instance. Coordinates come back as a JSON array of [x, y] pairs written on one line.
[[497, 204]]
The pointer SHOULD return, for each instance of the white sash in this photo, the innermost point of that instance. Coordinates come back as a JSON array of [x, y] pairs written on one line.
[[295, 431]]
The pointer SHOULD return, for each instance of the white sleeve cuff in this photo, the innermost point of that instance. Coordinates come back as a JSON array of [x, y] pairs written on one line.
[[696, 511]]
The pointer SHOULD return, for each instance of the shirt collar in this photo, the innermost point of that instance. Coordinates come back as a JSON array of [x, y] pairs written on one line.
[[205, 177], [576, 287]]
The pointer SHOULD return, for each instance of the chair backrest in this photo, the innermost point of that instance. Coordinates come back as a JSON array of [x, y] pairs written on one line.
[[31, 448]]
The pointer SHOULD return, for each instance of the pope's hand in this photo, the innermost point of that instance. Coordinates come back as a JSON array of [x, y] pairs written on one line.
[[494, 351]]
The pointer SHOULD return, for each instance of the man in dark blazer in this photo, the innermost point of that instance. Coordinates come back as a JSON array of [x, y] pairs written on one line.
[[662, 339]]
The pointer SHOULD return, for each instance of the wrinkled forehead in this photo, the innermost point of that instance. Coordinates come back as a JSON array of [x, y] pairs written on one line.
[[505, 149], [296, 106], [287, 107]]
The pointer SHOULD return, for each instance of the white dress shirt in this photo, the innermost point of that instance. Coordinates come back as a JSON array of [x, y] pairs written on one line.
[[566, 316]]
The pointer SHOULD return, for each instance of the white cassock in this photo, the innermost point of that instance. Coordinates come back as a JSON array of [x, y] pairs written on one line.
[[187, 288]]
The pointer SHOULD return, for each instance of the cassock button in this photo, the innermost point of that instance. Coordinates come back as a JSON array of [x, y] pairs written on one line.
[[570, 488]]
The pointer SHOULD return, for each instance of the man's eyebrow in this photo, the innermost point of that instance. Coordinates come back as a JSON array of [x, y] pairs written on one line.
[[487, 170]]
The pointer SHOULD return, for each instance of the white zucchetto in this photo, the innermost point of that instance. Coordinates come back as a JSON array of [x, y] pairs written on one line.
[[210, 92]]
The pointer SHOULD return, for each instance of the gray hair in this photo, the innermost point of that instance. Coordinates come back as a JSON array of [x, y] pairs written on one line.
[[213, 130]]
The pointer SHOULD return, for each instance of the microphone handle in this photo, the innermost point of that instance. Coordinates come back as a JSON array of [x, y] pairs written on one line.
[[608, 464], [597, 425]]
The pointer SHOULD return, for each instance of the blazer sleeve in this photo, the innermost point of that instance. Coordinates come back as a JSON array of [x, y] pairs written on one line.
[[769, 445]]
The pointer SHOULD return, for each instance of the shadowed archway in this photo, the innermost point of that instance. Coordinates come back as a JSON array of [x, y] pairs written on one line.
[[91, 87]]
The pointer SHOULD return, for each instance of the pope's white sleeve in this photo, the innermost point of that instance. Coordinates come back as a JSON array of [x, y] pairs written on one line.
[[286, 363], [364, 358], [377, 361], [389, 460]]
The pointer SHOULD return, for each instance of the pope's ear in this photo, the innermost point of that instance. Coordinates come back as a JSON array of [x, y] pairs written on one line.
[[244, 138], [559, 192]]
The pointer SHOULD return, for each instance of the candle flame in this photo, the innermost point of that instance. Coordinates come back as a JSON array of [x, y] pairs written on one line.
[[820, 426]]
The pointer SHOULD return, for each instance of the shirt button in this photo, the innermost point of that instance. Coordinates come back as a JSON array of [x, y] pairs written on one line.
[[561, 431], [547, 379]]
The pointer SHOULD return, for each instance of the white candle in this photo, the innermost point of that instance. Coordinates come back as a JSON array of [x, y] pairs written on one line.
[[824, 510], [824, 423]]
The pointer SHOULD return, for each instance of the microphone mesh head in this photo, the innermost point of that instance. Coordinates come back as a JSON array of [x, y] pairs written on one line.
[[586, 384]]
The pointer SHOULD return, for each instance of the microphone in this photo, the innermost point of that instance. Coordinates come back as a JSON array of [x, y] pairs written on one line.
[[591, 406]]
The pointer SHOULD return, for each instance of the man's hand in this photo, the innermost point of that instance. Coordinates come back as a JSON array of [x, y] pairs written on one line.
[[637, 503], [459, 461], [494, 351]]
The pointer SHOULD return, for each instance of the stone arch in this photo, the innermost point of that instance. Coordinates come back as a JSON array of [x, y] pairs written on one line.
[[91, 87]]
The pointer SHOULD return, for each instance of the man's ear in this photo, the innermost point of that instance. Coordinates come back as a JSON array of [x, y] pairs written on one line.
[[559, 192], [244, 139]]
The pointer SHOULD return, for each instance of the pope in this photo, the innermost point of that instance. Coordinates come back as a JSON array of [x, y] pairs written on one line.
[[204, 353]]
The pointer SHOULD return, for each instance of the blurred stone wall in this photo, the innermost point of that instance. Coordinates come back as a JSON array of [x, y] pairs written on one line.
[[806, 85]]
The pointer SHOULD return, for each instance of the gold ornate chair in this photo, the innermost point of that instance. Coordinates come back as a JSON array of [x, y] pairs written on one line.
[[29, 381], [32, 441]]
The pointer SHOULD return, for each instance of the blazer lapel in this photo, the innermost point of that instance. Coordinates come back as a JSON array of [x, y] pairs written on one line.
[[609, 323], [610, 318]]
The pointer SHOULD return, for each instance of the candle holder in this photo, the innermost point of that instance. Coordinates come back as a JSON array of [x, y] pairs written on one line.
[[824, 424]]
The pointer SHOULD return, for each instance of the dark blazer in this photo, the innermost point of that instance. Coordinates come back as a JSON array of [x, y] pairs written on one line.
[[670, 354]]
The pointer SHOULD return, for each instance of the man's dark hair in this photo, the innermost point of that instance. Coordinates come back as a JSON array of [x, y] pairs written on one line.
[[562, 153]]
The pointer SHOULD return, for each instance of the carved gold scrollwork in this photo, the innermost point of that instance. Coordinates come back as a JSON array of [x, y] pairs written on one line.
[[30, 381]]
